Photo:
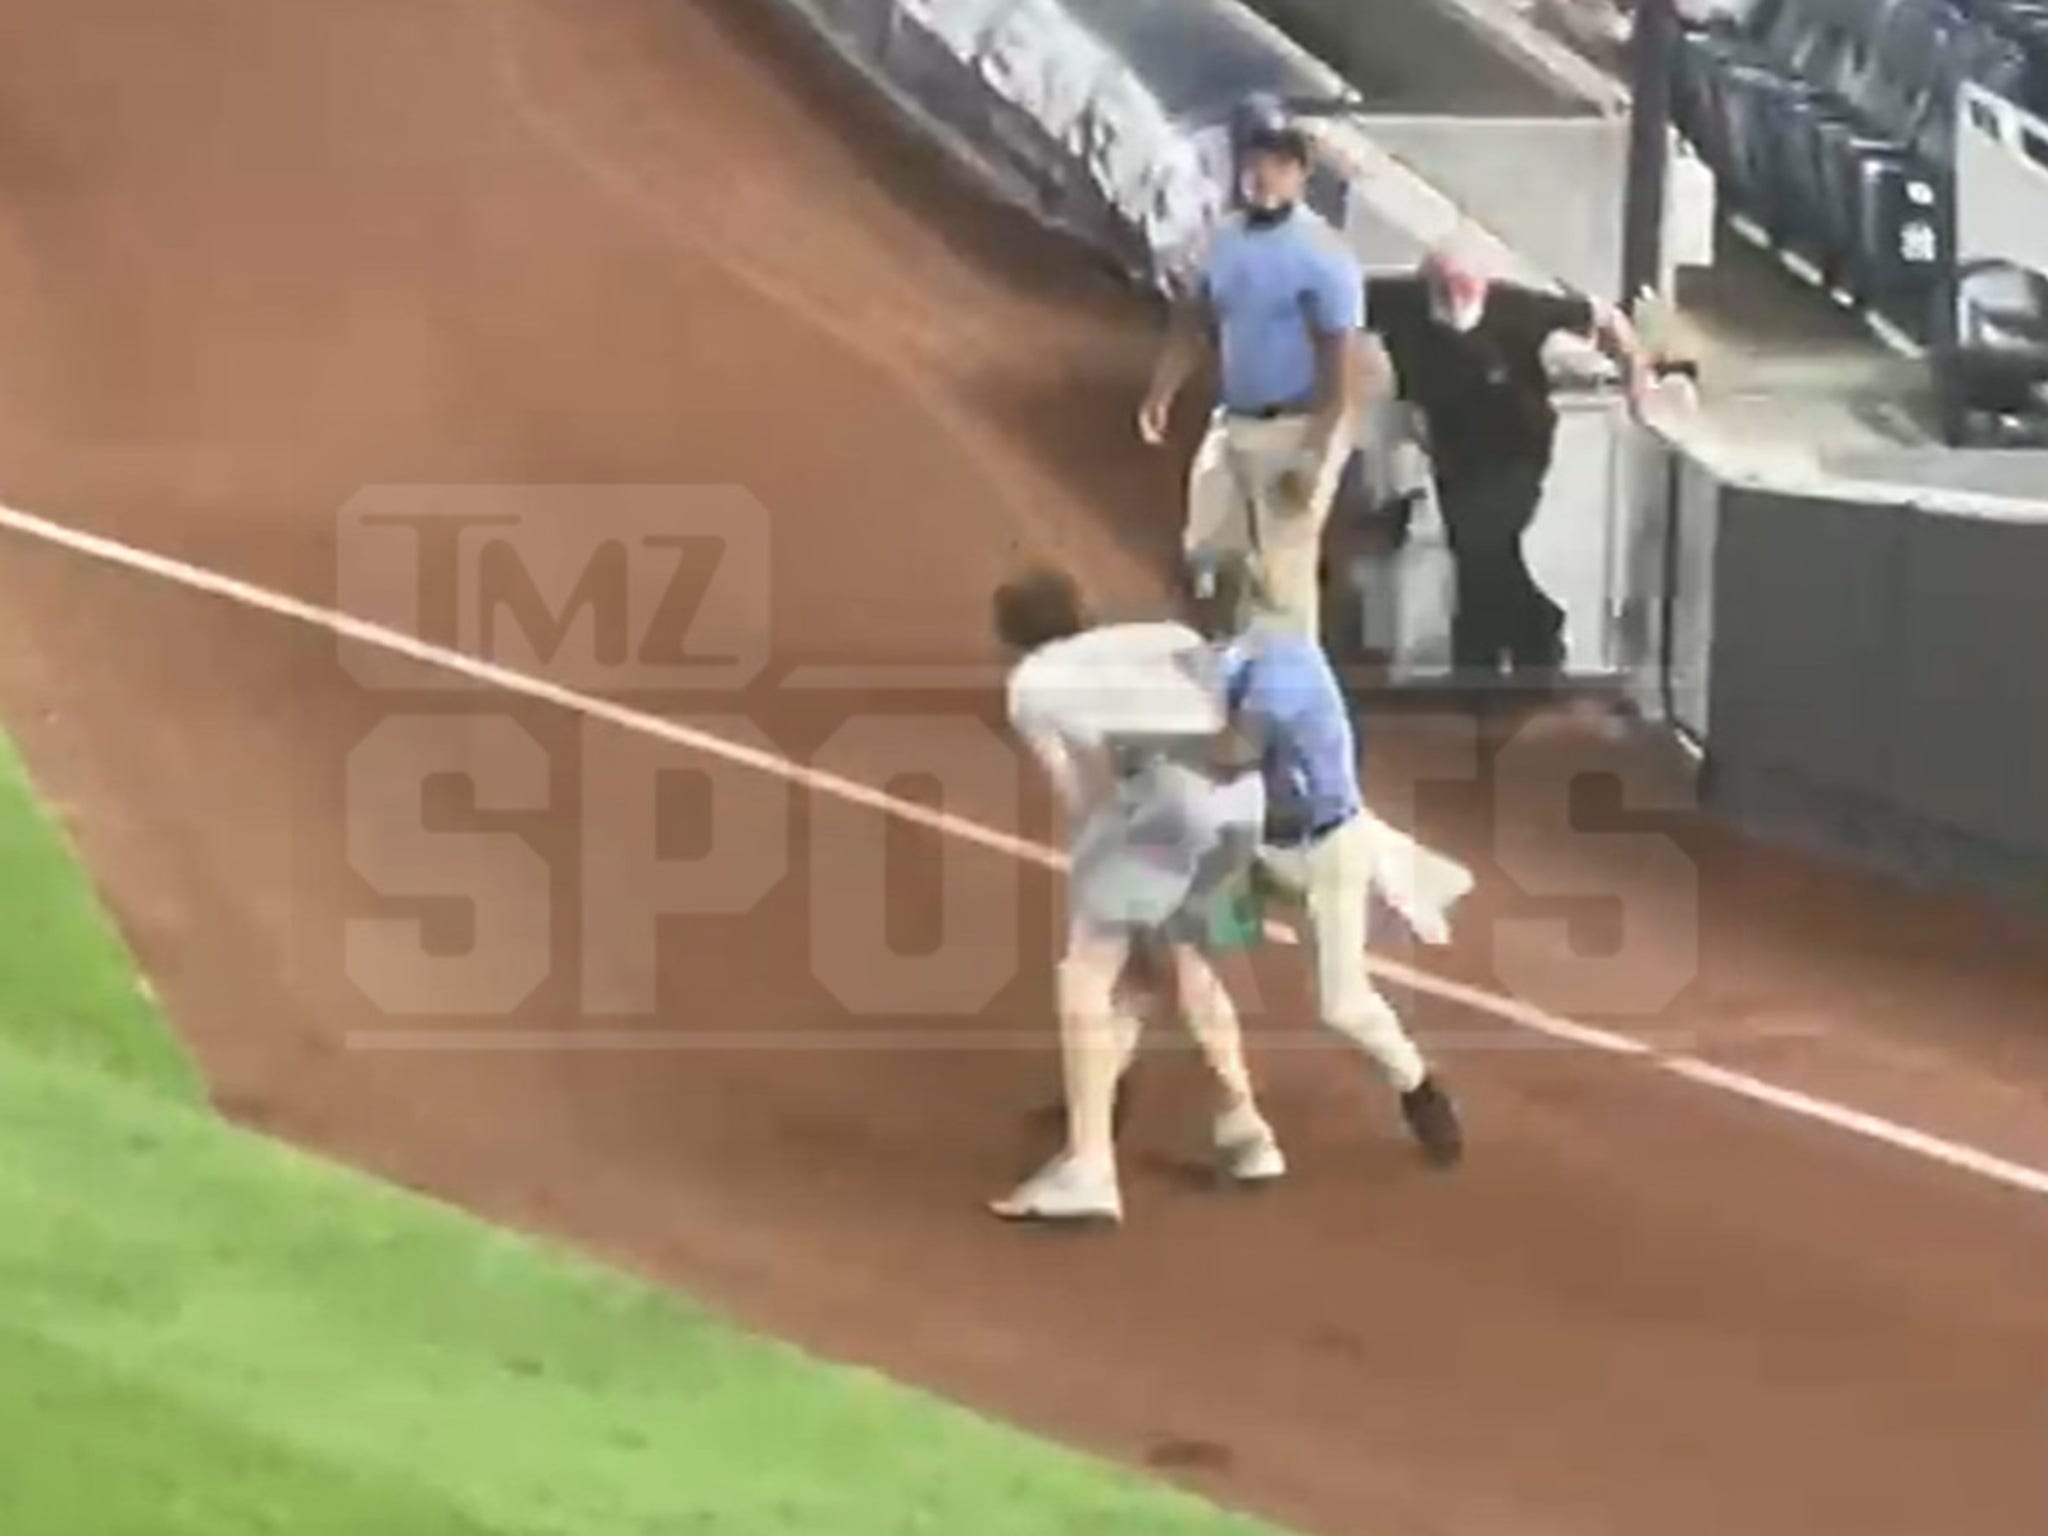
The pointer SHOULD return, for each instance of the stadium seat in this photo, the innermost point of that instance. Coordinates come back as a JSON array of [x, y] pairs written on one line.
[[1871, 130], [1903, 190], [1766, 106], [1710, 62], [1998, 360], [1854, 103]]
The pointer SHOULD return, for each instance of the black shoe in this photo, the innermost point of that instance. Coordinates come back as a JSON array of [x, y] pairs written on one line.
[[1434, 1120]]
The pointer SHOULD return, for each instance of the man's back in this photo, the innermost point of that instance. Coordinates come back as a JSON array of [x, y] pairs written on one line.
[[1117, 679], [1143, 701], [1281, 684]]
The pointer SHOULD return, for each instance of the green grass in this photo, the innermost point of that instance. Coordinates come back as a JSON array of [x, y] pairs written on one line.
[[203, 1333], [67, 987]]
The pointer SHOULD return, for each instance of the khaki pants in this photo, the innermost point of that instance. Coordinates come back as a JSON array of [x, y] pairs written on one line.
[[1336, 875], [1235, 503]]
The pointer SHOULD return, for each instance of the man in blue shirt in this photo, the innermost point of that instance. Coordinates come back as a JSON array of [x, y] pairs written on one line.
[[1282, 303], [1321, 843]]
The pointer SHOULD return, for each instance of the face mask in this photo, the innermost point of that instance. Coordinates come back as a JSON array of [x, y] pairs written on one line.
[[1461, 312], [1258, 212]]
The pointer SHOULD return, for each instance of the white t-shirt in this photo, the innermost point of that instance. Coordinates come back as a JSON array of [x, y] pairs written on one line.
[[1103, 686], [1139, 843]]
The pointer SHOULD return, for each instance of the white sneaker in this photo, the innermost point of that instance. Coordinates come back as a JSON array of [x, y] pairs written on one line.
[[1246, 1147], [1064, 1191]]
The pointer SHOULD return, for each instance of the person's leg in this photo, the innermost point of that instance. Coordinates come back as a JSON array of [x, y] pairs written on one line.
[[1337, 882], [1246, 1147], [1097, 1038], [1219, 511], [1535, 636], [1339, 877], [1287, 531], [1475, 625]]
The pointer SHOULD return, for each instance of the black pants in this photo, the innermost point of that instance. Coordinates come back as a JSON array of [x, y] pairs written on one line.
[[1502, 614]]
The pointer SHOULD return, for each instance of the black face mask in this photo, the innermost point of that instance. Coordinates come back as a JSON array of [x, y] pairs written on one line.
[[1266, 218]]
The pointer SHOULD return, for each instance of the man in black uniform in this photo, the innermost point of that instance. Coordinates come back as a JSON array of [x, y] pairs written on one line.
[[1469, 355]]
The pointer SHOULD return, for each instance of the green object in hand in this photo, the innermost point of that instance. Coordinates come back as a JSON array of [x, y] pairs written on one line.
[[1237, 916]]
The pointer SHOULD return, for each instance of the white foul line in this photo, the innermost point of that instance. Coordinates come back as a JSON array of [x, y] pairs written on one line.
[[1512, 1010]]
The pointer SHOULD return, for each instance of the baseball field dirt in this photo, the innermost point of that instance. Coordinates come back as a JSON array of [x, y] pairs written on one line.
[[258, 255], [207, 1332]]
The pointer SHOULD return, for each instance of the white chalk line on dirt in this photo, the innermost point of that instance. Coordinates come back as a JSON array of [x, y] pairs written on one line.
[[1512, 1010]]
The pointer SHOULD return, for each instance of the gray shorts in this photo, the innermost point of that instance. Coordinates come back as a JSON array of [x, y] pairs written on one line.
[[1115, 889], [1229, 862]]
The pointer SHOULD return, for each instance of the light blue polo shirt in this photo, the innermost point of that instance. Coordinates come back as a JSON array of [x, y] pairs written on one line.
[[1282, 684], [1272, 291]]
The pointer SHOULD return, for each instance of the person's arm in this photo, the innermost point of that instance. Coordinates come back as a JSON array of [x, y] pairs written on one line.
[[1616, 336], [1608, 329], [1348, 365], [1187, 348], [1080, 774], [1038, 725], [1242, 743], [1346, 369]]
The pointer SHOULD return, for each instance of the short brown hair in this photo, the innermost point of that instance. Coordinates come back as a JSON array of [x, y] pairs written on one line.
[[1038, 608]]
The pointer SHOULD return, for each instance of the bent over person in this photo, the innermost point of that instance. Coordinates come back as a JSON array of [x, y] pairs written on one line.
[[1282, 301], [1128, 723], [1321, 844]]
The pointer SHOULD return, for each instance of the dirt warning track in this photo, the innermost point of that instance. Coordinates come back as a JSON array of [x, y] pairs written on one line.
[[257, 256]]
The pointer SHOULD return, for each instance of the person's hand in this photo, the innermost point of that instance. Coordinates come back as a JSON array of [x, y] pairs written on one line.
[[1153, 417]]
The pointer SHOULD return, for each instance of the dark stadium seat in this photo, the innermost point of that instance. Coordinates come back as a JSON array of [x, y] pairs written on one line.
[[1756, 96], [1709, 62], [1903, 190], [1998, 360], [1830, 123], [1857, 104], [1870, 166]]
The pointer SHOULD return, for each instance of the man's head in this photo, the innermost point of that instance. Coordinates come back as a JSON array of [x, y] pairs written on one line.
[[1225, 594], [1272, 159], [1457, 286], [1038, 608]]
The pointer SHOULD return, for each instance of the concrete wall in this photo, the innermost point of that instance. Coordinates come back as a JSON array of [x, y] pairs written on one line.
[[1551, 188], [2015, 472], [1664, 600], [1876, 686], [2001, 182], [1425, 57]]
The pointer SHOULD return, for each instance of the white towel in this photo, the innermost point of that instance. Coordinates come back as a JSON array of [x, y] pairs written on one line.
[[1419, 883]]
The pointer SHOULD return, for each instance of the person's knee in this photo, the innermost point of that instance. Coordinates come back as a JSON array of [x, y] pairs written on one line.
[[1085, 984]]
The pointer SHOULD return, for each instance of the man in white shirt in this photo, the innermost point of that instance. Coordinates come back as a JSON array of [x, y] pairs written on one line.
[[1127, 720]]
